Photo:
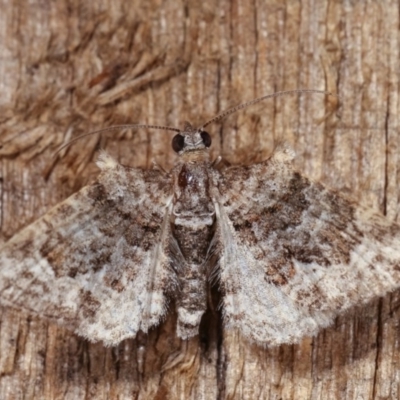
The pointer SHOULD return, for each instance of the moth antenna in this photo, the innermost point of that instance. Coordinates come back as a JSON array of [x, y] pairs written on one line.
[[116, 127], [232, 110]]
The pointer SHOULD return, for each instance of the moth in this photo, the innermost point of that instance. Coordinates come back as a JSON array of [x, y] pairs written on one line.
[[288, 254]]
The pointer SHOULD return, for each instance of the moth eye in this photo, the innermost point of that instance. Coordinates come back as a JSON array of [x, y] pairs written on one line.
[[178, 142], [206, 138]]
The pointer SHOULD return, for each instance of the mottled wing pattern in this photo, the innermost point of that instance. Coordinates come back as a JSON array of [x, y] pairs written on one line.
[[295, 254], [98, 262]]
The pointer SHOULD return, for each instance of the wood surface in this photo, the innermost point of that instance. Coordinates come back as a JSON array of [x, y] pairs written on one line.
[[68, 67]]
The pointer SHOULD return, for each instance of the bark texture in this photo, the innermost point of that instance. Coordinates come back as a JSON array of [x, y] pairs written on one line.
[[68, 67]]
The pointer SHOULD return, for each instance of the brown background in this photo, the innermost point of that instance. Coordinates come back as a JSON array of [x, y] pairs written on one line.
[[67, 68]]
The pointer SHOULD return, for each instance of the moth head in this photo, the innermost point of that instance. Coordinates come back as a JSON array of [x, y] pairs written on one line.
[[191, 139]]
